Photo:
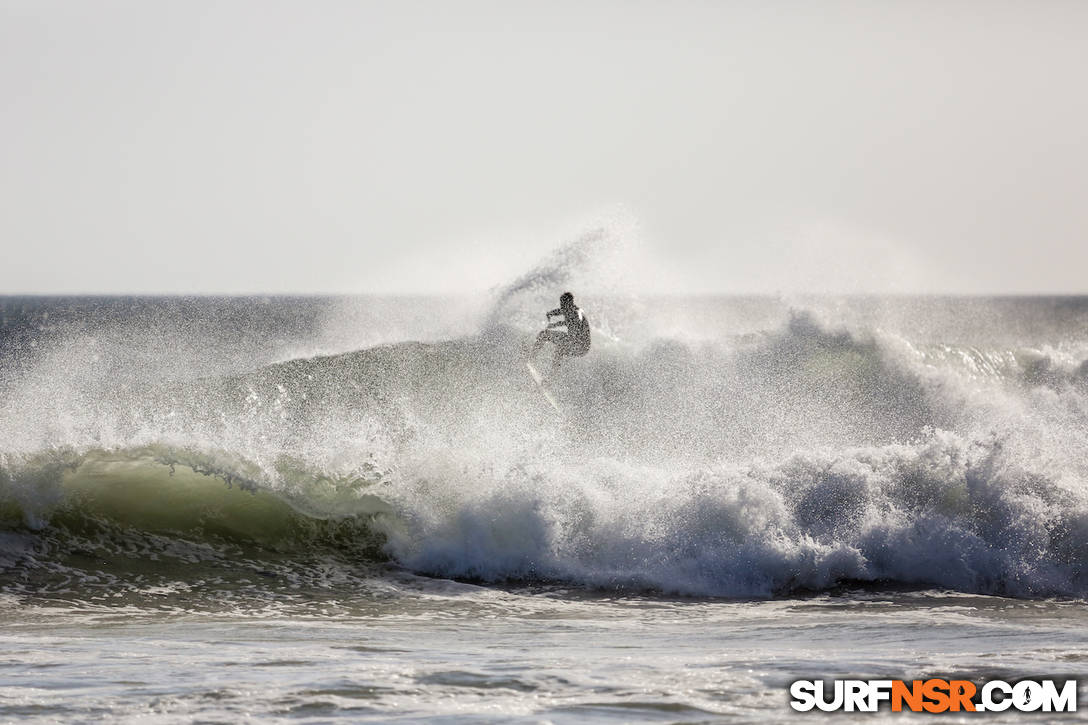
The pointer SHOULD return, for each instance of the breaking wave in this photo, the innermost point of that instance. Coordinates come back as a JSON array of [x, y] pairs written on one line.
[[798, 459]]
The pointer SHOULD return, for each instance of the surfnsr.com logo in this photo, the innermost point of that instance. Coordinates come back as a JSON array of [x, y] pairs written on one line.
[[934, 695]]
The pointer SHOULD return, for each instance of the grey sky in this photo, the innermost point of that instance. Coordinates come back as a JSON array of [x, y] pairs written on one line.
[[250, 146]]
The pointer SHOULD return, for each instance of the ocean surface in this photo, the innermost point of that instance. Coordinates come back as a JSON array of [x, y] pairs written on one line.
[[357, 508]]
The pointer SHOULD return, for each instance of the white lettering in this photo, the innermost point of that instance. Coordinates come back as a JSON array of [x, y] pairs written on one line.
[[1065, 701], [854, 696], [804, 695], [821, 697], [879, 690], [1027, 696], [988, 701]]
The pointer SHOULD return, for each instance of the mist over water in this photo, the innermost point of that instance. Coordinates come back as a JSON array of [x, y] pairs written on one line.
[[708, 446]]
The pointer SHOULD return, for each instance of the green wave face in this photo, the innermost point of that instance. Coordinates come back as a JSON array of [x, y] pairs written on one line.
[[122, 523]]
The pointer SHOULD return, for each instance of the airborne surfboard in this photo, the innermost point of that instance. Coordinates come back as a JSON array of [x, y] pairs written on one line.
[[539, 379]]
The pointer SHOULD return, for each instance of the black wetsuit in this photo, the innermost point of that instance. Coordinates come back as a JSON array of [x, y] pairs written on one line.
[[575, 341]]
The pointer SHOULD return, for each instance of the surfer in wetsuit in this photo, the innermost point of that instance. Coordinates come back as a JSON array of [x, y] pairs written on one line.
[[570, 343]]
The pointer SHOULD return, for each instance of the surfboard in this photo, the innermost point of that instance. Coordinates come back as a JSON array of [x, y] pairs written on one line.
[[539, 379]]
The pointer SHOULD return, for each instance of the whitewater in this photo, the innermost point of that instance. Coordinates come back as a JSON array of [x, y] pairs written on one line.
[[362, 508]]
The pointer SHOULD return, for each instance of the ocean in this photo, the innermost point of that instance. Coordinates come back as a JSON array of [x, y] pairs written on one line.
[[308, 509]]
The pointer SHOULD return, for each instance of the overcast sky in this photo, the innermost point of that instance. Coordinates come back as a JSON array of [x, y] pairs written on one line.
[[254, 146]]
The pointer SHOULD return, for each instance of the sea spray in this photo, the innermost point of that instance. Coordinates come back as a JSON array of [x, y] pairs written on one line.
[[808, 456]]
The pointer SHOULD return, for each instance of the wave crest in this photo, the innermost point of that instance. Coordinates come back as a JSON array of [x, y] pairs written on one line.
[[796, 459]]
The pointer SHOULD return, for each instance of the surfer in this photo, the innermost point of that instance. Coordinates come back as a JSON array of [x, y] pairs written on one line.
[[570, 343]]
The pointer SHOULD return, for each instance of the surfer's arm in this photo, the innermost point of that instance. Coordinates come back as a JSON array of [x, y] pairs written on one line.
[[556, 311]]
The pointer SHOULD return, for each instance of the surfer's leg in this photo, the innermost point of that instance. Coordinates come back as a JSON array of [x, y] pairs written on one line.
[[551, 336], [562, 342], [557, 359], [539, 342]]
